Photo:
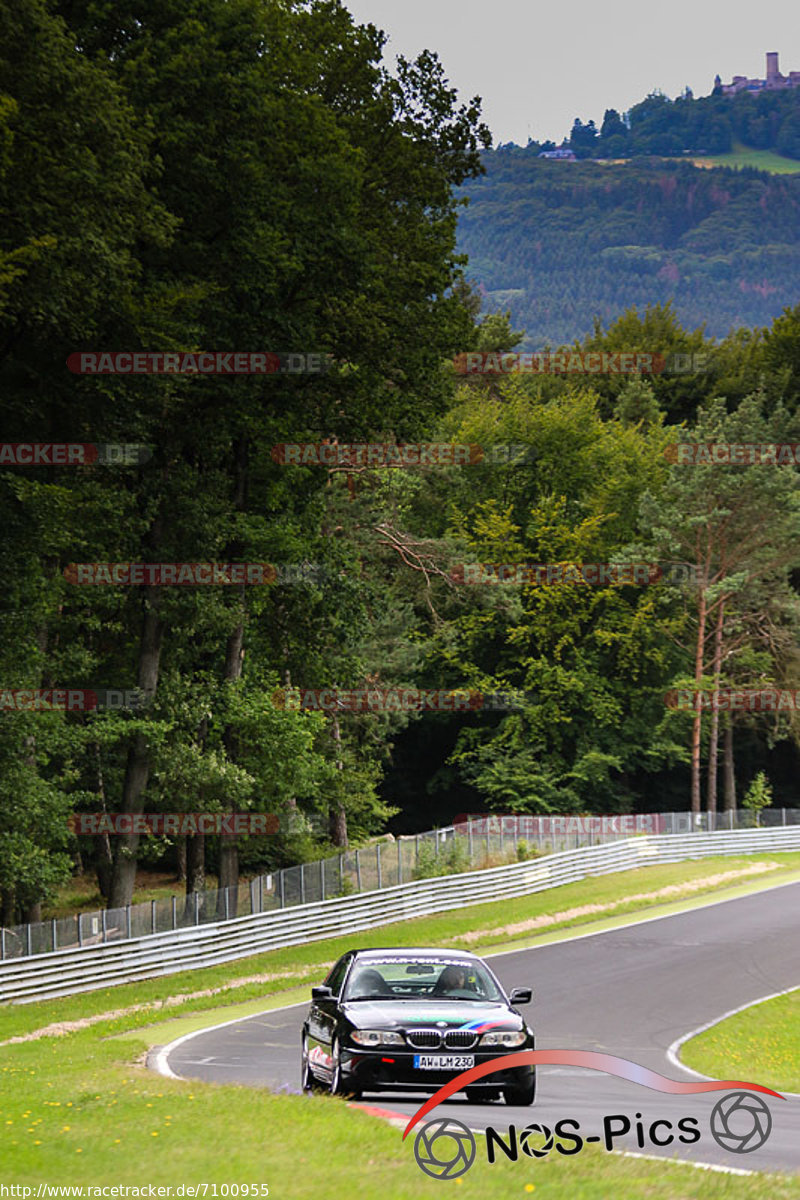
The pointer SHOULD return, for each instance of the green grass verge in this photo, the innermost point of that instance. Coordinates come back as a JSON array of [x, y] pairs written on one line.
[[764, 1037], [82, 1109], [746, 156]]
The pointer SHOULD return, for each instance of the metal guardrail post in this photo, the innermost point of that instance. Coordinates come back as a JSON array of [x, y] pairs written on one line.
[[322, 877], [378, 863], [80, 931], [302, 883], [358, 869], [53, 934], [227, 910], [783, 816], [104, 923], [152, 916], [128, 919], [174, 913], [283, 890], [29, 939]]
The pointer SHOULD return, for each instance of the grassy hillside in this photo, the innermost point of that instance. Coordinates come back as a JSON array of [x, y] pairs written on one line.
[[745, 156]]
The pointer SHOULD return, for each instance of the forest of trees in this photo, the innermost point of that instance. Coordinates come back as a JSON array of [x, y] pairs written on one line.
[[765, 120], [560, 243], [294, 196]]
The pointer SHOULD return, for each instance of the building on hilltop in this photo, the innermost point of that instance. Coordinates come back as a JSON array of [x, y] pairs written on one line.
[[563, 153], [773, 82]]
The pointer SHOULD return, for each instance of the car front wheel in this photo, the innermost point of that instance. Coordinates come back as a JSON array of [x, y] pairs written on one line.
[[337, 1088], [521, 1095], [307, 1080]]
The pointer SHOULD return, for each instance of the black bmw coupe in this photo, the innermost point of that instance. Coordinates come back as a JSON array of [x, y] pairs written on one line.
[[410, 1020]]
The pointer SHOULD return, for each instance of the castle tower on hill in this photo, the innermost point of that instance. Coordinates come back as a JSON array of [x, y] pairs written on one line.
[[773, 82]]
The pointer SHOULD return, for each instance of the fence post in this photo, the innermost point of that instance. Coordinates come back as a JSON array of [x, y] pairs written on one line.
[[80, 931], [378, 862], [128, 920], [261, 893], [103, 922], [197, 908], [783, 816], [28, 940], [227, 901], [174, 914], [322, 877], [358, 869], [283, 892], [302, 883], [54, 934], [152, 916], [2, 943]]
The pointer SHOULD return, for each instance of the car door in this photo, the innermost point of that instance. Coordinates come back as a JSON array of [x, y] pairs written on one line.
[[323, 1016]]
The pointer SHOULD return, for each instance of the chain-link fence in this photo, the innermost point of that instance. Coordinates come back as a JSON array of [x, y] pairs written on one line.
[[473, 843]]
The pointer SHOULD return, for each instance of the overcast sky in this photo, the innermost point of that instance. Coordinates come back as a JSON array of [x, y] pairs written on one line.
[[538, 66]]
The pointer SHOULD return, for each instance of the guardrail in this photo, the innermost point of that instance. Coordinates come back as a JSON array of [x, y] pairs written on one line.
[[67, 972], [476, 842]]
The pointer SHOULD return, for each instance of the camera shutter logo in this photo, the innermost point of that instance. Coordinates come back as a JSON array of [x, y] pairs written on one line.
[[741, 1122], [528, 1147], [444, 1149]]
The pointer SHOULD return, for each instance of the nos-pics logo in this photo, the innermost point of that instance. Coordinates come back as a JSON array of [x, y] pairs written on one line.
[[445, 1148]]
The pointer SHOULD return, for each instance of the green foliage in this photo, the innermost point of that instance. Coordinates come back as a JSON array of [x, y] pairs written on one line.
[[450, 860], [757, 796]]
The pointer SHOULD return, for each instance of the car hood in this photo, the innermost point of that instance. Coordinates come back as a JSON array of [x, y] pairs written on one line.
[[427, 1014]]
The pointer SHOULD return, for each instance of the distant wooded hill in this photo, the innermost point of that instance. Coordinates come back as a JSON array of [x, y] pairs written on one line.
[[768, 120], [560, 244]]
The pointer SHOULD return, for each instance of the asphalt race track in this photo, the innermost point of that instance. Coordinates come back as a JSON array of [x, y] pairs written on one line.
[[630, 992]]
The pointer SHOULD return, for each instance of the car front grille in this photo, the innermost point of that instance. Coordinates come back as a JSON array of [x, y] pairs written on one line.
[[424, 1039], [460, 1039]]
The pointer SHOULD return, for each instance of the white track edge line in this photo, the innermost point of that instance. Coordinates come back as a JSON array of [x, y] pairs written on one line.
[[673, 1049]]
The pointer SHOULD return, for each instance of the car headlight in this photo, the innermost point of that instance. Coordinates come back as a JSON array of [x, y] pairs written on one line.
[[376, 1037], [501, 1037]]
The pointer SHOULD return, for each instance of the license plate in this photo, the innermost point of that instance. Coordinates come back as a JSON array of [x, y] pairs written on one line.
[[444, 1062]]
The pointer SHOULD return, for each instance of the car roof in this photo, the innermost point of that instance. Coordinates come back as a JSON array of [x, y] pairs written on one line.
[[426, 951]]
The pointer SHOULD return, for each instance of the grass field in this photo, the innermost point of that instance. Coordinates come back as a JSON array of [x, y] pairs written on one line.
[[765, 1037], [745, 156], [81, 1108]]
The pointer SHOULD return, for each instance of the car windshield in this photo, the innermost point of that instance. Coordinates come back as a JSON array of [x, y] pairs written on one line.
[[398, 977]]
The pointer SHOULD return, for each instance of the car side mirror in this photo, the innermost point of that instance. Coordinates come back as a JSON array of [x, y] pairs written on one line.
[[521, 996], [321, 992]]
